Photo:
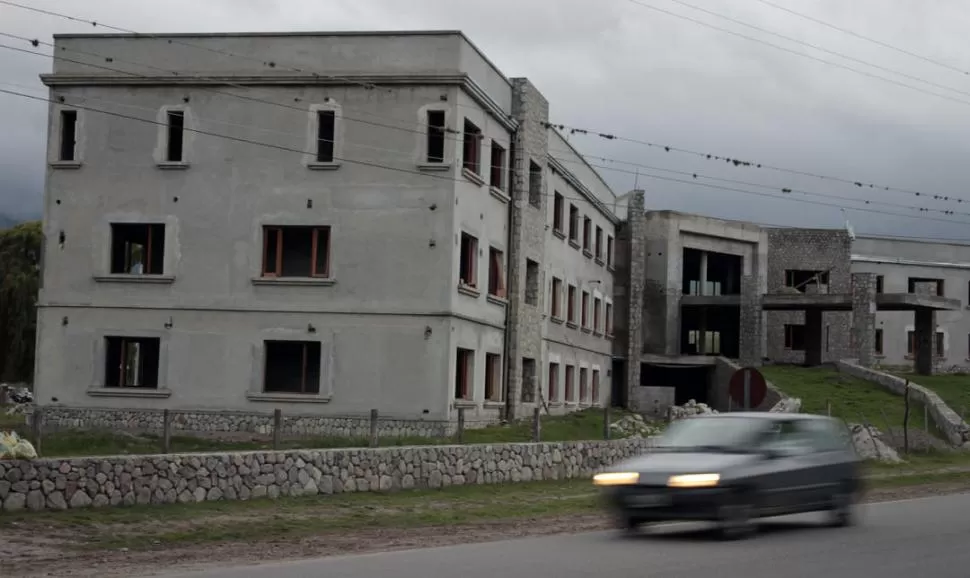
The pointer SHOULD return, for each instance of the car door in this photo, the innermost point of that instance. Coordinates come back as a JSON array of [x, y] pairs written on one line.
[[830, 461], [790, 474]]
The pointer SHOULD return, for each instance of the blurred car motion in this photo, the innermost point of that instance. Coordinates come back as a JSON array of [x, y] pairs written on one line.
[[734, 468]]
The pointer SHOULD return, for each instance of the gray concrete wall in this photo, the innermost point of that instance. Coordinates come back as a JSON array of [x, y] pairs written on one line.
[[897, 260], [54, 484], [809, 249]]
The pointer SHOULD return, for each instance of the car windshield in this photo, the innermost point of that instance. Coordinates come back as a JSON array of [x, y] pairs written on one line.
[[712, 433]]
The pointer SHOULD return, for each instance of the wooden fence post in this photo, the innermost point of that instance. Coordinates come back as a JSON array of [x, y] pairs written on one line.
[[277, 428], [537, 425], [906, 418], [373, 428], [37, 428], [166, 432], [461, 425]]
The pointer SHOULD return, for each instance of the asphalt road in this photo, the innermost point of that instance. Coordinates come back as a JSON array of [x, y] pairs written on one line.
[[922, 537]]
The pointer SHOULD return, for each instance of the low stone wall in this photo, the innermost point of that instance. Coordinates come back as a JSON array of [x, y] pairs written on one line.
[[949, 422], [59, 484], [229, 421]]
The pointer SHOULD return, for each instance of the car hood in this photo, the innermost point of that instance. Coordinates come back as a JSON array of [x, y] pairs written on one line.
[[671, 463]]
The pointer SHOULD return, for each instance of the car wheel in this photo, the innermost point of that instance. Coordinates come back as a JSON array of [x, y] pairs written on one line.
[[628, 525], [842, 507], [735, 516]]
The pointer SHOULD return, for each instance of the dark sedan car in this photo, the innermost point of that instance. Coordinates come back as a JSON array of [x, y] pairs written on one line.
[[733, 468]]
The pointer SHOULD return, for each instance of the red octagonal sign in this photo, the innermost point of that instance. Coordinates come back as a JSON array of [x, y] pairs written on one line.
[[748, 388]]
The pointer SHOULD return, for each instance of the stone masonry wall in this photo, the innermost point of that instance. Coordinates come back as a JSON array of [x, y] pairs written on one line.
[[59, 484], [813, 250]]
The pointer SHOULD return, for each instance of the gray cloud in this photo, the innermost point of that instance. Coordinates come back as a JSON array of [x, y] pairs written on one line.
[[618, 67]]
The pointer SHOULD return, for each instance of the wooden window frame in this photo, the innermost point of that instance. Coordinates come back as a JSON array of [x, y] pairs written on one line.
[[556, 301], [587, 234], [570, 386], [316, 233], [471, 254], [493, 377], [304, 366], [598, 243], [435, 137], [496, 172], [584, 310], [496, 273], [595, 388], [471, 158], [558, 212], [583, 384], [552, 387], [597, 313], [608, 318], [464, 378], [571, 304], [609, 251], [574, 224]]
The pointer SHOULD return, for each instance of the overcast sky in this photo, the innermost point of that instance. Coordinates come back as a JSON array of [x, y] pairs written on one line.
[[617, 66]]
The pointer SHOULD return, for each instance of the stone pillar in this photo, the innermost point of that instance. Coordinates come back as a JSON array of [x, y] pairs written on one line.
[[864, 318], [925, 327], [813, 337], [637, 281], [750, 340], [703, 279]]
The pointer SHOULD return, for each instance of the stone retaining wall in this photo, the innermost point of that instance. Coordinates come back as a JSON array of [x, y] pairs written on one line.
[[949, 422], [59, 484]]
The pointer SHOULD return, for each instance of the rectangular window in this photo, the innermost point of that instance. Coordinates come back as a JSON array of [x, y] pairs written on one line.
[[826, 338], [795, 337], [557, 212], [597, 305], [599, 243], [464, 373], [176, 136], [573, 223], [535, 184], [436, 136], [584, 311], [553, 385], [571, 304], [583, 385], [68, 148], [880, 284], [132, 362], [595, 394], [940, 344], [556, 310], [802, 280], [587, 235], [496, 273], [528, 380], [296, 251], [609, 251], [910, 342], [531, 283], [923, 283], [493, 377], [878, 344], [326, 133], [468, 265], [609, 319], [137, 249], [472, 147], [570, 385], [292, 367], [497, 178]]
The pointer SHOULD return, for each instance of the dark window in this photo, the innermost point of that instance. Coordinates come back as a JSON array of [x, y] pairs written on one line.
[[472, 149], [570, 383], [556, 298], [528, 380], [535, 184], [531, 282], [496, 273], [878, 345], [587, 234], [880, 283], [584, 312], [609, 319], [596, 387], [940, 341], [137, 249], [296, 251], [68, 149], [436, 136], [464, 373], [497, 178], [573, 223], [292, 367], [553, 385], [923, 282], [910, 342], [571, 304], [597, 310], [583, 385], [795, 337], [132, 361], [599, 243], [468, 266], [609, 251], [557, 212], [493, 377], [326, 125], [176, 135], [801, 280]]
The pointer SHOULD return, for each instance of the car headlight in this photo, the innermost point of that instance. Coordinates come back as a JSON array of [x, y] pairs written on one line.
[[694, 481], [616, 479]]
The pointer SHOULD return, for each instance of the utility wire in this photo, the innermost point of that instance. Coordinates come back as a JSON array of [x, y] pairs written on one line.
[[939, 63]]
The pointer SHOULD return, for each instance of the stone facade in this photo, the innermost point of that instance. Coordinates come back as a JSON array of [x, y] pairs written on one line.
[[864, 317], [55, 484], [634, 306], [812, 250]]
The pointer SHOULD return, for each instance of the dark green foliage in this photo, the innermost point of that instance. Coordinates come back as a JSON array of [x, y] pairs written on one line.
[[20, 253]]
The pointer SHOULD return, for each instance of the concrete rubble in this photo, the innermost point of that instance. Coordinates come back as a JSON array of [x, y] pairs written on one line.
[[869, 445], [689, 409], [634, 427]]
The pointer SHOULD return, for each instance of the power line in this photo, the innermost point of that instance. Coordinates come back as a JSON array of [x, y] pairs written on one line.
[[866, 38]]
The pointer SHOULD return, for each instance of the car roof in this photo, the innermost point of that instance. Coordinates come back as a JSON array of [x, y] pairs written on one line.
[[764, 415]]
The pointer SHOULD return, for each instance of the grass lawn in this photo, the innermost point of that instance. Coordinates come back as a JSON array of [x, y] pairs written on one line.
[[852, 399], [953, 389], [578, 426]]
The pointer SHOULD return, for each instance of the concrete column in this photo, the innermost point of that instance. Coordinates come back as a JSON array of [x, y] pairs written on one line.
[[864, 317], [703, 279], [751, 324], [813, 337], [924, 328], [635, 309], [702, 333]]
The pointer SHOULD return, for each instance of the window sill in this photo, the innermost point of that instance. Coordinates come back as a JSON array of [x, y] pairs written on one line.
[[559, 233], [318, 166], [572, 325], [493, 404], [608, 336], [142, 392], [289, 397], [598, 333], [172, 165], [149, 279], [598, 261], [65, 165], [432, 167], [464, 403], [496, 300], [586, 330], [587, 253], [610, 267], [574, 244], [469, 290], [554, 404], [473, 176], [295, 281], [499, 194], [555, 319]]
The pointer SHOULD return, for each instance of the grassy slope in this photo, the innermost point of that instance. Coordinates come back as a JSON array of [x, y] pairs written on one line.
[[953, 389]]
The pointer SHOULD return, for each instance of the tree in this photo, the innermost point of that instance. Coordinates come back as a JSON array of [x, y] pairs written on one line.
[[20, 253]]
